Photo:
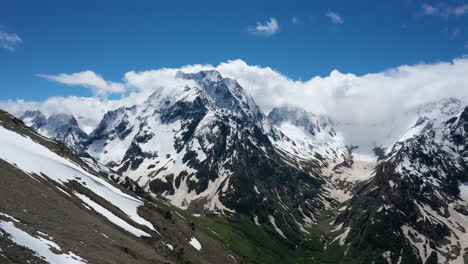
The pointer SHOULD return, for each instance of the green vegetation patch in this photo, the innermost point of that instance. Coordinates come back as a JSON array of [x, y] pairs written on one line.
[[259, 245]]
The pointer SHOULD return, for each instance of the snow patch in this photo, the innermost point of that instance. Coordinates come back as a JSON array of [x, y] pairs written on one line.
[[41, 246], [273, 222], [342, 237], [34, 158], [168, 245], [112, 217], [464, 191], [195, 243]]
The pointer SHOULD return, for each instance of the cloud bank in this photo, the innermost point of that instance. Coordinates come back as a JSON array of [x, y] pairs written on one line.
[[87, 79], [354, 102], [444, 10]]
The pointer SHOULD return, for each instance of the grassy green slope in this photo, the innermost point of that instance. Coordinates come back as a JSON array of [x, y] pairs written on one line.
[[258, 245]]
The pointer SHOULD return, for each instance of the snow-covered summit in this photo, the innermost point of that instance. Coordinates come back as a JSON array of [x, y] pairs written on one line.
[[429, 116], [201, 76], [311, 124], [62, 127], [224, 93], [307, 134], [34, 119]]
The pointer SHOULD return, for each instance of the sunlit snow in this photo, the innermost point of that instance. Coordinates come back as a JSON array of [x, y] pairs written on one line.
[[195, 243], [32, 157]]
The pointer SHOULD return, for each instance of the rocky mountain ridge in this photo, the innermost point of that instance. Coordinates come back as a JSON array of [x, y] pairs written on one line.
[[210, 149]]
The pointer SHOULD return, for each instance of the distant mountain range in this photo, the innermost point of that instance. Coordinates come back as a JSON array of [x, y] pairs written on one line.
[[62, 127], [212, 154]]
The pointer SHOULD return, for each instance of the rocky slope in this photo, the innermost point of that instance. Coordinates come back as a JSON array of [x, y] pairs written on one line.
[[415, 208], [54, 208]]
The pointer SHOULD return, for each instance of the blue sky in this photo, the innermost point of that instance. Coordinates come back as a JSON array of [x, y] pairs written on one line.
[[311, 37]]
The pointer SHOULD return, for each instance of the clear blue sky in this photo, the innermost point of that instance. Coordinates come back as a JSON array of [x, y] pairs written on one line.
[[113, 37]]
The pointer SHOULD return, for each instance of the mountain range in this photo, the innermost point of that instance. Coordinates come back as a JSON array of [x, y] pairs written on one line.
[[205, 167]]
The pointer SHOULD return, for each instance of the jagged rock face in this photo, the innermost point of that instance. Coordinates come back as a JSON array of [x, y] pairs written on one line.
[[415, 208], [212, 149], [63, 127]]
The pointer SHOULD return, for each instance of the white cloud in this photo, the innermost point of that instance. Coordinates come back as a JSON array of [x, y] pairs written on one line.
[[444, 10], [269, 28], [87, 110], [87, 79], [460, 10], [9, 41], [360, 104], [161, 80], [295, 20], [430, 10], [334, 17], [348, 97], [370, 109]]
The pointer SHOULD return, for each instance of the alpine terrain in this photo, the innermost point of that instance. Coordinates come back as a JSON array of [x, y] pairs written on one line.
[[203, 175]]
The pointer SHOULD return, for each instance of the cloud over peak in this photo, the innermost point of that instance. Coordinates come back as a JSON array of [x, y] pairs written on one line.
[[267, 29], [350, 100], [87, 79]]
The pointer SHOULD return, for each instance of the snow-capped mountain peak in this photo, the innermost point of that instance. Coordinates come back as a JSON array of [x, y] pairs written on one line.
[[57, 121], [224, 93], [34, 119], [431, 115], [60, 126], [207, 76], [311, 124]]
